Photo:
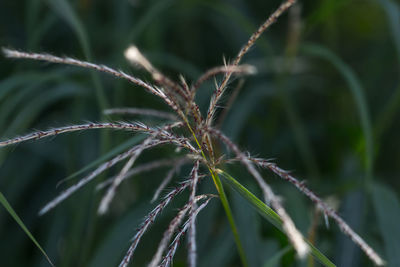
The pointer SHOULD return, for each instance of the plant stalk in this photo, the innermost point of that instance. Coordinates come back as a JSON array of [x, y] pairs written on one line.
[[224, 201]]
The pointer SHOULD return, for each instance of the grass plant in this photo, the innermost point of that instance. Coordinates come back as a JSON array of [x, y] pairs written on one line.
[[197, 136]]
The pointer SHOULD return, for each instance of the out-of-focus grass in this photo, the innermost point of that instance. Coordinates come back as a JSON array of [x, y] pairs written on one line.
[[187, 37]]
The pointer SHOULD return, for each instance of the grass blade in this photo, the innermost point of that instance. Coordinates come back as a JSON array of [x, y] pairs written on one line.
[[269, 214], [357, 90], [13, 214]]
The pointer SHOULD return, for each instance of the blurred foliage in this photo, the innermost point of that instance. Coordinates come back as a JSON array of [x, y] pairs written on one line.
[[324, 104]]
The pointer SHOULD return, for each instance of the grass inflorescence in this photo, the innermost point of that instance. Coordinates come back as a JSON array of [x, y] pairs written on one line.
[[195, 133]]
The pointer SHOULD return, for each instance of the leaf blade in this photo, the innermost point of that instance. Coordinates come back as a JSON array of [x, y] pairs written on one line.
[[14, 215], [269, 214]]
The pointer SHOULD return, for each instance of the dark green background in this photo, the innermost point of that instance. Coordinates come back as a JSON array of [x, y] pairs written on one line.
[[322, 107]]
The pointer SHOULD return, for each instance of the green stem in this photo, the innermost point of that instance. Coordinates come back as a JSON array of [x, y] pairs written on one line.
[[224, 201], [228, 211]]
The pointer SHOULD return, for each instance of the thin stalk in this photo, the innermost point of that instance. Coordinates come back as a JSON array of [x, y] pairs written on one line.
[[225, 204], [224, 201]]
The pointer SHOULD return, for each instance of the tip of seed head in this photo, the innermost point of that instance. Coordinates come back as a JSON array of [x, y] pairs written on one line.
[[7, 52], [134, 56], [132, 53]]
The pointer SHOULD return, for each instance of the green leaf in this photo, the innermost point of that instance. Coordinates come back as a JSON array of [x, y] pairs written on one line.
[[13, 214], [357, 90], [387, 209], [269, 214]]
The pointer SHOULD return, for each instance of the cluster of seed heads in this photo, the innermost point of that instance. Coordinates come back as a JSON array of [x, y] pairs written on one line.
[[198, 147]]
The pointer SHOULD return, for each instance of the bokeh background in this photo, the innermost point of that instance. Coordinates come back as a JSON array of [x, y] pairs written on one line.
[[324, 105]]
